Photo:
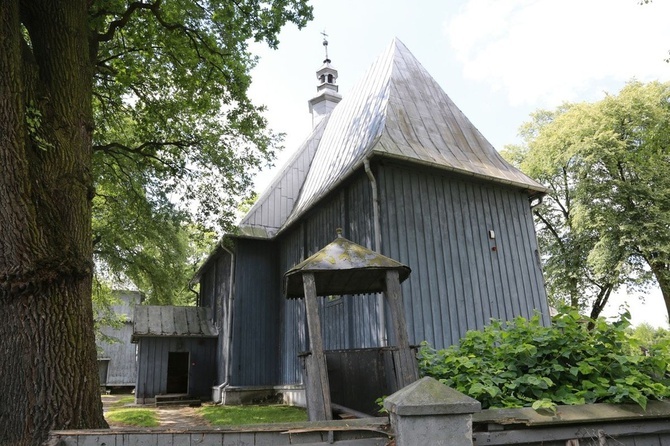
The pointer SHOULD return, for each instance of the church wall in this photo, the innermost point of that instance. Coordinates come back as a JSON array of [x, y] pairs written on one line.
[[255, 335], [215, 284], [153, 355], [432, 221], [347, 321], [439, 226]]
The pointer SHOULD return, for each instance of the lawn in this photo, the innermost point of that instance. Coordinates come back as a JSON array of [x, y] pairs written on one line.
[[118, 413], [133, 416], [237, 415], [124, 400]]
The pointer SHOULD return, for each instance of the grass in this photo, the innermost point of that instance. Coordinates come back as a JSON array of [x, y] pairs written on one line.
[[133, 417], [238, 415], [129, 399], [118, 413]]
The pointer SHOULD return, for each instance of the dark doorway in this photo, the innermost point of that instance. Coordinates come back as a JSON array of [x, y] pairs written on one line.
[[103, 367], [177, 372]]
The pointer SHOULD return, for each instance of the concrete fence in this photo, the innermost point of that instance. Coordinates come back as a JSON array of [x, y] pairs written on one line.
[[423, 413]]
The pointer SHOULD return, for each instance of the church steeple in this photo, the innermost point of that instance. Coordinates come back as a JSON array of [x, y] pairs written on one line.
[[327, 95]]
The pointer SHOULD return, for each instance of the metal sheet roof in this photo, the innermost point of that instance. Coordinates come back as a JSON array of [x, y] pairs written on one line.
[[343, 267], [275, 204], [163, 320], [397, 110]]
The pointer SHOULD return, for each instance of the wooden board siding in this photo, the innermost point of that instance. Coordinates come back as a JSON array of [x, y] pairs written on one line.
[[122, 364], [153, 361], [255, 352], [439, 226], [293, 334], [348, 321], [215, 285], [122, 368]]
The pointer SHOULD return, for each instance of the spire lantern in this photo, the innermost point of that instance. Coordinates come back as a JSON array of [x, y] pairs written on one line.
[[327, 95]]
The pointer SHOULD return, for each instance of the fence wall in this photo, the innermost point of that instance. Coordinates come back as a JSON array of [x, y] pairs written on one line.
[[423, 413]]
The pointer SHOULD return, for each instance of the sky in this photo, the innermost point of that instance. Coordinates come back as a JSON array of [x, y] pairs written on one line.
[[498, 60]]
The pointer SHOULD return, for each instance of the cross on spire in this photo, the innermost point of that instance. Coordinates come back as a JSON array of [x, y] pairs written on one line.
[[325, 42]]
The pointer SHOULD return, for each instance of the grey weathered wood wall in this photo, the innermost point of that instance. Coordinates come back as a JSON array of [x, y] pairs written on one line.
[[255, 353], [349, 321], [153, 362], [438, 225], [122, 365], [215, 287]]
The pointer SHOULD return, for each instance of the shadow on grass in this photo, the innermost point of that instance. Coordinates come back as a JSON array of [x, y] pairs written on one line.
[[239, 415]]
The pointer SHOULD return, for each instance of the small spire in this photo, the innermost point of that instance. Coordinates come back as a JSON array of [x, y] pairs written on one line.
[[325, 45], [327, 95]]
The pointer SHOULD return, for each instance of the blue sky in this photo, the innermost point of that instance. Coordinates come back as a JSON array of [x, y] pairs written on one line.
[[498, 60]]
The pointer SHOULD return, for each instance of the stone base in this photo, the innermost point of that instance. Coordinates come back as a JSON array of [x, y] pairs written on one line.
[[292, 395]]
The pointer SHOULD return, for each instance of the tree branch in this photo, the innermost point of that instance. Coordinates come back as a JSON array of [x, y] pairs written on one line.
[[125, 18]]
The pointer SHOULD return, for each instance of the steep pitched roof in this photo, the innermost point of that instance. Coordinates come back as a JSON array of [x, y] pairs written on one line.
[[397, 110], [276, 203]]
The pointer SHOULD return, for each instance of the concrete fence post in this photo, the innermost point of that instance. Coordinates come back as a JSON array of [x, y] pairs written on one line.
[[429, 413]]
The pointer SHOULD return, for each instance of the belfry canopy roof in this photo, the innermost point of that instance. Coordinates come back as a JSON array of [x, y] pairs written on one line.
[[397, 110], [343, 267]]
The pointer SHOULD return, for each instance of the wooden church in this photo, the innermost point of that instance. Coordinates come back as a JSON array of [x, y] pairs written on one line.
[[403, 172]]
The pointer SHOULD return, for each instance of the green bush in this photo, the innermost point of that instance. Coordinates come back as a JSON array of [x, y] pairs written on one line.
[[522, 363]]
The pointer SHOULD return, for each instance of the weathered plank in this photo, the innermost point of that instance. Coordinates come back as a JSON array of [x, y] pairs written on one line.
[[571, 414], [644, 432], [406, 371], [318, 406]]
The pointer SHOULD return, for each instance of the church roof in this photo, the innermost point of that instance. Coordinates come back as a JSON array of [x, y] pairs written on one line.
[[397, 110], [276, 203]]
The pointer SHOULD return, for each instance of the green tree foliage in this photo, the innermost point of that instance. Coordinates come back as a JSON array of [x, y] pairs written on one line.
[[651, 337], [605, 222], [176, 139], [522, 363], [119, 121]]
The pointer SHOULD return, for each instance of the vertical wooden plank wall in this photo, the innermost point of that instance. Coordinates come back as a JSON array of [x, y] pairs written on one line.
[[348, 321], [255, 353], [153, 359], [122, 367], [293, 334], [439, 226]]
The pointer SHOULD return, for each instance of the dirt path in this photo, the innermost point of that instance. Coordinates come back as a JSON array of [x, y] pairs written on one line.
[[180, 416], [169, 417]]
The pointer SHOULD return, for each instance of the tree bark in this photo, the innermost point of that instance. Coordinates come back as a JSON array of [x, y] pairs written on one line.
[[662, 273], [47, 348]]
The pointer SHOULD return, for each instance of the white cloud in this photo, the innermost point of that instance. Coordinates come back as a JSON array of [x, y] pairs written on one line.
[[542, 52]]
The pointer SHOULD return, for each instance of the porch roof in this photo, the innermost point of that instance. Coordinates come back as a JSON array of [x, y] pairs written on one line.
[[164, 320]]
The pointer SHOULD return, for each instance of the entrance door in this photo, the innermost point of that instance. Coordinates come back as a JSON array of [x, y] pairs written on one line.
[[177, 372]]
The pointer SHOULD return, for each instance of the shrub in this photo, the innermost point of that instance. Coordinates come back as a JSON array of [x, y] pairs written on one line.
[[522, 363]]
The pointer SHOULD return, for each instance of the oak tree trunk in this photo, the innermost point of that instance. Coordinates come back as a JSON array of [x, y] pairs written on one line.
[[662, 273], [48, 368]]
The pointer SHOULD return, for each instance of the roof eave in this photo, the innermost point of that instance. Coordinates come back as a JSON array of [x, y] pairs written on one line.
[[532, 189]]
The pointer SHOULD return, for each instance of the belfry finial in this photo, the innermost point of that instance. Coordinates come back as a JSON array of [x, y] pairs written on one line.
[[325, 44]]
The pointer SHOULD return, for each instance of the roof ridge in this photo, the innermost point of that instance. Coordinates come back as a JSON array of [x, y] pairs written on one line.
[[396, 110]]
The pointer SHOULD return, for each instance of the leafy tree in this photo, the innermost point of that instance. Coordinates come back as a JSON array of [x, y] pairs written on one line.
[[135, 112], [650, 337], [523, 363], [605, 222]]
